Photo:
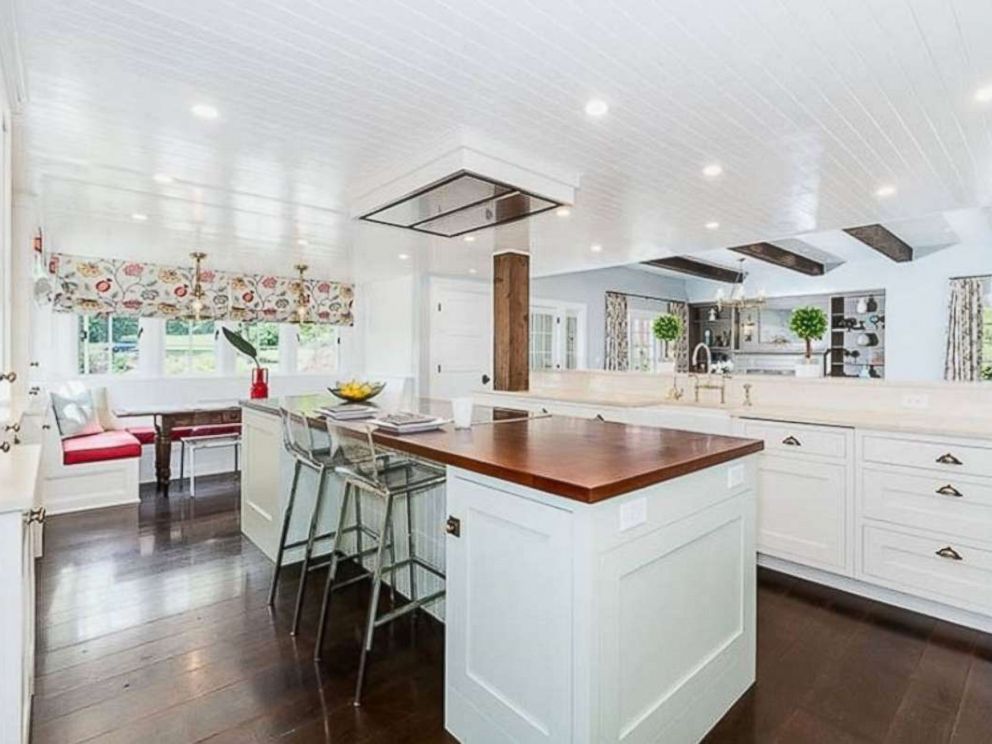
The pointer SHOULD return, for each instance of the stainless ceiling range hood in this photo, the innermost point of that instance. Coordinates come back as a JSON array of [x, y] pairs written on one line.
[[460, 203]]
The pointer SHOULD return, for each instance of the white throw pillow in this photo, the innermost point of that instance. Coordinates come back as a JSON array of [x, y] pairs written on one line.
[[101, 401], [75, 414]]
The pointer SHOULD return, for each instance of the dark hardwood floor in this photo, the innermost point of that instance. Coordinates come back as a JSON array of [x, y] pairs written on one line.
[[153, 627]]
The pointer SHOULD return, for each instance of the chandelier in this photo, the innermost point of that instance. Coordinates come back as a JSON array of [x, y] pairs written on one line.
[[197, 294], [302, 299], [738, 299]]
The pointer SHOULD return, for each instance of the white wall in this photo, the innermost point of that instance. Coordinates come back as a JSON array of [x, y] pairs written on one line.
[[916, 296], [590, 287]]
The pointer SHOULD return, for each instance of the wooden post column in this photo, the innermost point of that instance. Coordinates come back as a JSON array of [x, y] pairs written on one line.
[[511, 320]]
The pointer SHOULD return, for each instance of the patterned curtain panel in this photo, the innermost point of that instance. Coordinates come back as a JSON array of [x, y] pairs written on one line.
[[964, 330], [680, 349], [617, 355], [102, 285]]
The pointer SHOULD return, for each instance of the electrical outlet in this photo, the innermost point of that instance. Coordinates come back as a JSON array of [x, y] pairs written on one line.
[[915, 400]]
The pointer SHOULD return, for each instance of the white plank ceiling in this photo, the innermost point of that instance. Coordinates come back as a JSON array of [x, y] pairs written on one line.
[[808, 106]]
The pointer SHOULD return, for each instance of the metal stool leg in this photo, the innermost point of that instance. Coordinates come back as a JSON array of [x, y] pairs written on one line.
[[332, 570], [237, 447], [287, 516], [374, 600], [308, 550], [358, 533], [192, 471], [410, 547]]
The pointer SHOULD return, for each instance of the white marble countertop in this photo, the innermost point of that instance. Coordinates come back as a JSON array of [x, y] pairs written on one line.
[[915, 421], [18, 477]]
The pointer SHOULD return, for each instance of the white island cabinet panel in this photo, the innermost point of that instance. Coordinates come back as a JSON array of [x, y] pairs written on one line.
[[626, 620], [509, 616]]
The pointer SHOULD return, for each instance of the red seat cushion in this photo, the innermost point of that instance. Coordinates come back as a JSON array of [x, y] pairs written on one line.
[[144, 434], [216, 430], [109, 445]]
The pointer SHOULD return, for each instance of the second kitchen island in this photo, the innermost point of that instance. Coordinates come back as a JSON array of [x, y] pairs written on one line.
[[600, 577]]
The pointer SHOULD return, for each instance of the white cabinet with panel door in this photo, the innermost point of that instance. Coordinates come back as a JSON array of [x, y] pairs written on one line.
[[805, 493]]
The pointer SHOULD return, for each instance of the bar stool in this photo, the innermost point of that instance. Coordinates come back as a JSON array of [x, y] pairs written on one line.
[[356, 457], [298, 441]]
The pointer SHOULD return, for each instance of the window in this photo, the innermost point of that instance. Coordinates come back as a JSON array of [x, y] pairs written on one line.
[[265, 338], [317, 348], [557, 335], [107, 344], [190, 347], [646, 352], [542, 328]]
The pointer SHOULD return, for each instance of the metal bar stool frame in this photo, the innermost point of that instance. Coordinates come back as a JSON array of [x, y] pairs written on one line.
[[360, 478], [298, 441]]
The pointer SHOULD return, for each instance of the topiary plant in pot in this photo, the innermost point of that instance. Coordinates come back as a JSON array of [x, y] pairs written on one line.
[[668, 328], [808, 323]]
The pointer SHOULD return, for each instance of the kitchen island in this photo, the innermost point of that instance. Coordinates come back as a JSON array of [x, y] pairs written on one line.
[[600, 576]]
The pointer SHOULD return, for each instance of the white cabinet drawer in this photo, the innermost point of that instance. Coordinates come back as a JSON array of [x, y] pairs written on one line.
[[956, 506], [911, 563], [935, 454], [803, 511], [799, 439]]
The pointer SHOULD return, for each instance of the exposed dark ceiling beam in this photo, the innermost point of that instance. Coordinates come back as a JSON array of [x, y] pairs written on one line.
[[883, 241], [781, 257], [685, 265]]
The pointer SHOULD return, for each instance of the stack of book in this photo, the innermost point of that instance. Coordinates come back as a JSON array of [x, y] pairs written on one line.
[[350, 412], [409, 423]]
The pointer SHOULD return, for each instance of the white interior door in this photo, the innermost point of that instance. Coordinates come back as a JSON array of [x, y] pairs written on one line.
[[460, 337]]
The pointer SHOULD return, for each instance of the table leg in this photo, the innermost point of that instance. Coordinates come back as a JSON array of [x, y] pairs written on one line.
[[163, 453]]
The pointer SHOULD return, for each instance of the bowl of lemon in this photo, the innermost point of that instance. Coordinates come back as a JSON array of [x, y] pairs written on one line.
[[356, 391]]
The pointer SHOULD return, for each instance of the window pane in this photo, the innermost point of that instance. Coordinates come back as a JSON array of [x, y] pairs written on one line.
[[571, 341], [987, 345], [541, 340], [265, 338], [317, 348], [190, 347], [107, 345]]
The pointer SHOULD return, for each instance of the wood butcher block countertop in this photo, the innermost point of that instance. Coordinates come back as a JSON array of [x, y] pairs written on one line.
[[582, 459]]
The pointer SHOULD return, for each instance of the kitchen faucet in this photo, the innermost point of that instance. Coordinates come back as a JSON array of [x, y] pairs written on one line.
[[708, 385]]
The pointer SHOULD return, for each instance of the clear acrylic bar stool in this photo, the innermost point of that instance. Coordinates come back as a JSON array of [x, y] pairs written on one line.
[[355, 459]]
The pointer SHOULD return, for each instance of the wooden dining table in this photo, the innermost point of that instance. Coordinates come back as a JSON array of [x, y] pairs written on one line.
[[168, 418]]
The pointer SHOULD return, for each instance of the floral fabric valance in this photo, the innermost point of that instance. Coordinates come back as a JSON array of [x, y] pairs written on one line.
[[106, 285]]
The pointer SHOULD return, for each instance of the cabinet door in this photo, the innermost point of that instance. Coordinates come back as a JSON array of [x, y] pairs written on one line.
[[261, 516], [802, 511], [27, 594], [508, 646]]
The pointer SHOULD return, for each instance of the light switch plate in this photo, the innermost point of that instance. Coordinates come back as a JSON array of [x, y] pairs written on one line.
[[735, 476], [633, 513]]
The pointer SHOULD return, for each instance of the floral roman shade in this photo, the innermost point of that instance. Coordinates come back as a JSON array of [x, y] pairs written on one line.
[[104, 285]]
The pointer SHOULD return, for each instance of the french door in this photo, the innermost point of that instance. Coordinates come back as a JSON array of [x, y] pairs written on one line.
[[557, 335]]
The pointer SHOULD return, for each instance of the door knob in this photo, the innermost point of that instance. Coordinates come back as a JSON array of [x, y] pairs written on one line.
[[453, 527], [485, 379]]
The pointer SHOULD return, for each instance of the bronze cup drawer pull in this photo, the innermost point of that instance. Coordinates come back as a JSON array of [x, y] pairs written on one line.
[[791, 441], [950, 553], [949, 490], [949, 459]]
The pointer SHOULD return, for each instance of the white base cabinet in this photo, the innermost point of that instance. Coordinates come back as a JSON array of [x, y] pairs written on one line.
[[18, 534], [629, 620]]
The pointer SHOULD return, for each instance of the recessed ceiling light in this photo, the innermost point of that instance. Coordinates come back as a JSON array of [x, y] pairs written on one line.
[[597, 107], [884, 191], [303, 241], [596, 248], [403, 256], [162, 178], [469, 238], [139, 217], [712, 170], [563, 211], [472, 271], [984, 95], [712, 225], [205, 111]]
